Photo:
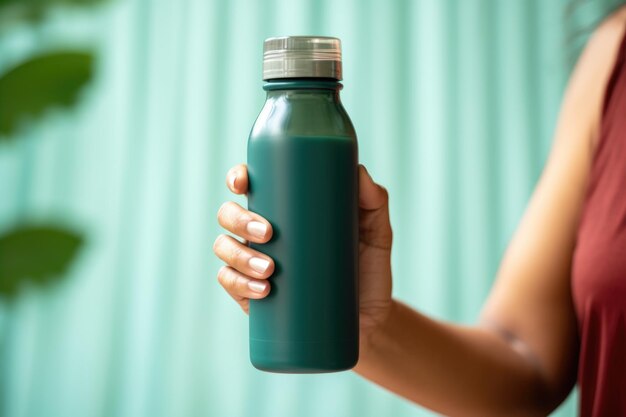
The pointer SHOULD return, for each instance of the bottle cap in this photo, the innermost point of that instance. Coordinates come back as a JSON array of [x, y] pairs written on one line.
[[302, 56]]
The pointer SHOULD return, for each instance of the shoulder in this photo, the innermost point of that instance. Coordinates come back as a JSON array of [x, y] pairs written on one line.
[[604, 43], [606, 38], [585, 92], [612, 27]]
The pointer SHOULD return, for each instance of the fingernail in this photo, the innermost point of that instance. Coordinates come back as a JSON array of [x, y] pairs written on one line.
[[259, 265], [257, 286], [232, 180], [257, 229]]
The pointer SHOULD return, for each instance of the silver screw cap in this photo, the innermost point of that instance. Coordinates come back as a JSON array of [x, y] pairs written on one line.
[[302, 56]]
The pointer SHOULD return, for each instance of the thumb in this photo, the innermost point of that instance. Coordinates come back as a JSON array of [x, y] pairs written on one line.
[[371, 195]]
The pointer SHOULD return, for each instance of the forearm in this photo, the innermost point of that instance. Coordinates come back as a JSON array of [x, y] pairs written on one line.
[[451, 369]]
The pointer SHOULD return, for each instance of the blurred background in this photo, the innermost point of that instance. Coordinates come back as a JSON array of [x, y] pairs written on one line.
[[119, 120]]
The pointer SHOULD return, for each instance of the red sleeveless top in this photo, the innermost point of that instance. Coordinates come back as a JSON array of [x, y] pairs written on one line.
[[599, 264]]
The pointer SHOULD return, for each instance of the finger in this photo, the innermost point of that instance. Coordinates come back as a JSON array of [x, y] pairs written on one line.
[[245, 305], [372, 196], [244, 259], [244, 223], [241, 287], [237, 179]]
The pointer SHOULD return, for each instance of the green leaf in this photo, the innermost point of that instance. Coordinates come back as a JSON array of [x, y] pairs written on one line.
[[49, 3], [36, 253], [15, 11], [43, 82]]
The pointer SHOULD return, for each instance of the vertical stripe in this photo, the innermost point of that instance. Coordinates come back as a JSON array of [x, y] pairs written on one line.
[[454, 104], [453, 133], [132, 164]]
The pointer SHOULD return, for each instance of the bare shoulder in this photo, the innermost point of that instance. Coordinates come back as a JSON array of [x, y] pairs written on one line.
[[607, 37], [613, 25], [585, 92]]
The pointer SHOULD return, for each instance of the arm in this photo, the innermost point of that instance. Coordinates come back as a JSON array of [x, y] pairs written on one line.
[[521, 358]]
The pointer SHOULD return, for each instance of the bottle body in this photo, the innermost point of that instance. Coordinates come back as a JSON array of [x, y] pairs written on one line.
[[303, 178]]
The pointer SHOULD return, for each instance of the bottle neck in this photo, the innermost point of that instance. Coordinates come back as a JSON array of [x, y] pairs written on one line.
[[325, 86], [303, 105]]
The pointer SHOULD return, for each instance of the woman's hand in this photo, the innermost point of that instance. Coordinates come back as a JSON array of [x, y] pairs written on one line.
[[246, 271]]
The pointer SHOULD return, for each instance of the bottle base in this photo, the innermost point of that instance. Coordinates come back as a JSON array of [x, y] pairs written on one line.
[[304, 357]]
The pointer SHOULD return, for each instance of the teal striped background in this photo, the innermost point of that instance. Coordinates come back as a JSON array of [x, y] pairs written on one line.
[[454, 102]]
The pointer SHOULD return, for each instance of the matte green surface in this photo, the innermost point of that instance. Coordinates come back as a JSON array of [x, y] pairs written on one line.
[[302, 167], [454, 102]]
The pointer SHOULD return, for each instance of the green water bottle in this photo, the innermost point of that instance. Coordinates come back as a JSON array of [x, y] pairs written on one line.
[[303, 172]]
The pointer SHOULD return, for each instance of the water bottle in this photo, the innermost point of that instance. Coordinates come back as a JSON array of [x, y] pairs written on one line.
[[303, 178]]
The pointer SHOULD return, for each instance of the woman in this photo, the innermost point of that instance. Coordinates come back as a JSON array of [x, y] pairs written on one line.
[[558, 308]]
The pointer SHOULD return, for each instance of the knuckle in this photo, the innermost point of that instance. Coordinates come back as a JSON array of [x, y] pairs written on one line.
[[221, 276], [221, 211], [385, 194], [238, 282], [236, 253], [242, 221], [219, 240], [228, 279]]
